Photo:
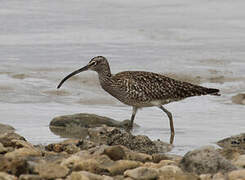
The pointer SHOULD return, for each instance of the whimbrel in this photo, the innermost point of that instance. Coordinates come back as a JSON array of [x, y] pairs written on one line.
[[142, 89]]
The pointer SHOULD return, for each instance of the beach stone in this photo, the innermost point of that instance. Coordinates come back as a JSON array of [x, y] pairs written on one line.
[[120, 166], [84, 161], [237, 175], [240, 161], [174, 172], [4, 128], [121, 177], [84, 175], [23, 152], [98, 164], [156, 158], [230, 153], [239, 99], [217, 176], [3, 149], [6, 139], [160, 164], [233, 142], [206, 177], [119, 152], [70, 146], [163, 146], [115, 136], [15, 166], [205, 160], [76, 125], [115, 152], [5, 176], [83, 120], [29, 177], [142, 173], [137, 156], [51, 170]]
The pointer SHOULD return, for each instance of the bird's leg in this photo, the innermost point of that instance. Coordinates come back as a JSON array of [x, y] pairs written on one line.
[[132, 117], [170, 122]]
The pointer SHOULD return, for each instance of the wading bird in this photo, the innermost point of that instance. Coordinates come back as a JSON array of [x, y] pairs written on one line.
[[141, 89]]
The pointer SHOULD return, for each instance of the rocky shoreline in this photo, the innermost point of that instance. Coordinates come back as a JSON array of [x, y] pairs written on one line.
[[106, 151]]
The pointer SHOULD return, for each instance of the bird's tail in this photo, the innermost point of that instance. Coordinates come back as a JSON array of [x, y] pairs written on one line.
[[212, 91]]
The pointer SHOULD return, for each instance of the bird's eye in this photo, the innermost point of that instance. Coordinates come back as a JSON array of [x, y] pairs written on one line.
[[93, 63]]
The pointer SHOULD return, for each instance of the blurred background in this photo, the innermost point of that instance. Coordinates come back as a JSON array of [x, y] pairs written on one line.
[[199, 41]]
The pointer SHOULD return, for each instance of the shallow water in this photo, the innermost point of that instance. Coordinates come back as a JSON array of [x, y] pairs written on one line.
[[43, 41]]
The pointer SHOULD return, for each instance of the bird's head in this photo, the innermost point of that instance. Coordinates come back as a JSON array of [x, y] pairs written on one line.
[[98, 64]]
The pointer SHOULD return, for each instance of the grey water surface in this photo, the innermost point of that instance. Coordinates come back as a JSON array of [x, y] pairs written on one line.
[[199, 41]]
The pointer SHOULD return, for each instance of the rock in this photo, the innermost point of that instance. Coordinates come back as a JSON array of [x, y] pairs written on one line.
[[115, 152], [84, 175], [15, 166], [238, 99], [22, 152], [29, 177], [51, 170], [217, 176], [163, 146], [237, 175], [23, 149], [3, 149], [142, 173], [174, 172], [71, 131], [5, 176], [119, 152], [234, 142], [76, 125], [120, 166], [230, 153], [70, 146], [115, 136], [160, 164], [240, 161], [98, 164], [83, 161], [156, 158], [205, 160], [6, 129], [6, 139], [137, 156], [83, 120], [206, 177]]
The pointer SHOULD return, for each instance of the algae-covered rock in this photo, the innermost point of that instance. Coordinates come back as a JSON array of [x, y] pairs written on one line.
[[205, 160], [76, 125], [115, 136], [234, 142]]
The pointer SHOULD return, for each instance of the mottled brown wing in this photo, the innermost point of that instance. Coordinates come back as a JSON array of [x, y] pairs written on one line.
[[147, 86]]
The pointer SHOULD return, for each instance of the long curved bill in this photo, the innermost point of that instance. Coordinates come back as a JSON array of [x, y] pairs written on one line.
[[72, 74]]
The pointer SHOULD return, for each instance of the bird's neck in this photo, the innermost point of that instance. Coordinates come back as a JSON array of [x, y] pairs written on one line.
[[104, 75]]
